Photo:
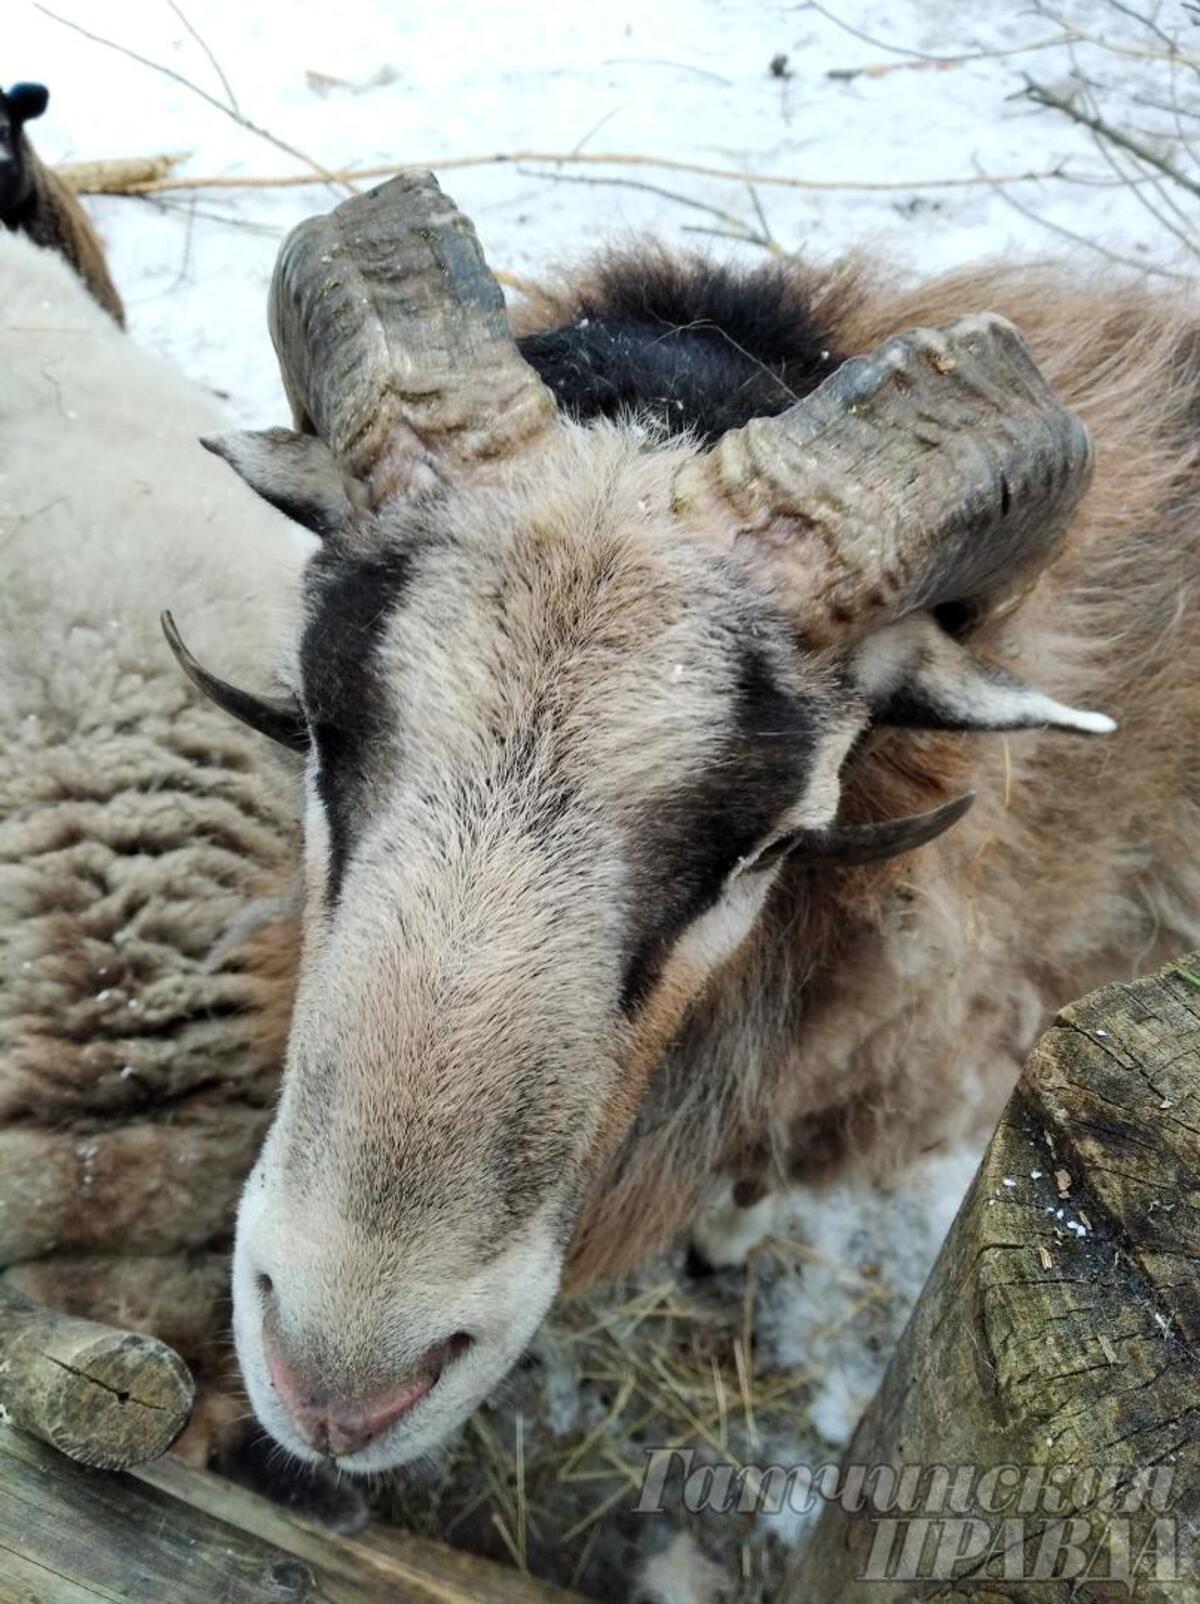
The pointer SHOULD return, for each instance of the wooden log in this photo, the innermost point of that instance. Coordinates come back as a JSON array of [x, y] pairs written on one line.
[[117, 175], [1051, 1364], [105, 1397], [396, 1558], [70, 1535], [67, 1532]]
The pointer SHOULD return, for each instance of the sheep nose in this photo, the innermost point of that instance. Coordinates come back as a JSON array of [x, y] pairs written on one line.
[[335, 1426]]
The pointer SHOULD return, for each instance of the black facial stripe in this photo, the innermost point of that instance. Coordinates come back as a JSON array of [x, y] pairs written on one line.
[[691, 344], [350, 600], [696, 837], [305, 512]]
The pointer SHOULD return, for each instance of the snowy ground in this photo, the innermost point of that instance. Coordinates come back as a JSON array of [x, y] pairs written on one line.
[[367, 81], [686, 79]]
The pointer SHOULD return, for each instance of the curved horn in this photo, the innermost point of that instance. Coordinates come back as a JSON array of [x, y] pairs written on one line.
[[393, 340], [279, 719], [845, 845], [940, 468]]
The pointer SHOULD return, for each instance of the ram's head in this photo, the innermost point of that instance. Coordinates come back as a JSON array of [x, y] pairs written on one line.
[[570, 699]]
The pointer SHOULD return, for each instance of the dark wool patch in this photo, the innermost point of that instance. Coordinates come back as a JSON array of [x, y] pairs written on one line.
[[688, 344], [18, 198], [698, 834], [345, 699]]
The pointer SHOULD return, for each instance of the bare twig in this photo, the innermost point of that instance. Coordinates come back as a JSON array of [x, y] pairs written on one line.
[[1144, 20], [934, 60], [172, 207], [317, 167], [1170, 110], [115, 175], [740, 230], [768, 237], [1130, 52], [733, 175], [1181, 229], [1138, 180], [661, 61], [1082, 239], [1041, 96], [597, 126], [215, 64], [189, 210], [1125, 166]]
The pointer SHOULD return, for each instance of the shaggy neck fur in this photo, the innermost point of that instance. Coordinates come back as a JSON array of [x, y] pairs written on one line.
[[877, 1012]]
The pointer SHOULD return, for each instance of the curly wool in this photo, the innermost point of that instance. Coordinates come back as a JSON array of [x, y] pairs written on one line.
[[147, 843]]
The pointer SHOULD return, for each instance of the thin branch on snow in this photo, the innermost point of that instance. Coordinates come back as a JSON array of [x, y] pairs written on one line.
[[1082, 239], [1041, 96], [322, 172], [732, 175], [737, 229], [1113, 47], [207, 49], [170, 206], [1152, 162], [913, 55]]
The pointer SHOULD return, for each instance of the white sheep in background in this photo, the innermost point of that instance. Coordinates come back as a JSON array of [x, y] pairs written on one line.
[[140, 829]]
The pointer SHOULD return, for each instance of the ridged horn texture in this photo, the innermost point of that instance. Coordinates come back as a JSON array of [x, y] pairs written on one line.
[[940, 468], [394, 343]]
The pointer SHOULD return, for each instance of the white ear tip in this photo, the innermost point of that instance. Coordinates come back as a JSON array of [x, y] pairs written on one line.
[[1092, 723], [1057, 715]]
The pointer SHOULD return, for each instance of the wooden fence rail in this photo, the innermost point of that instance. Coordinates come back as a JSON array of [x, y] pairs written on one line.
[[1054, 1349]]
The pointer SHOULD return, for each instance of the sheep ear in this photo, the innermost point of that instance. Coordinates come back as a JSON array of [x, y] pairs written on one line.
[[914, 675], [26, 101], [294, 472]]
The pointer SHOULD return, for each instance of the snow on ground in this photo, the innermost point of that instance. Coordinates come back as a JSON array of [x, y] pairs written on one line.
[[687, 79], [367, 81]]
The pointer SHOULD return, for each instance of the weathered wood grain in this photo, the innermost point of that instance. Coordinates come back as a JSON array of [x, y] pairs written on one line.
[[95, 1535], [105, 1397], [1059, 1327], [432, 1570], [170, 1535]]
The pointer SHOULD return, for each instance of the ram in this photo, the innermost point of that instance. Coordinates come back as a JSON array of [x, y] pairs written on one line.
[[35, 201], [647, 670], [147, 845]]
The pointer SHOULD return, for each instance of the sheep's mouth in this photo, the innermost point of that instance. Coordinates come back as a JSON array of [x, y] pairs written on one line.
[[444, 1355], [437, 1361]]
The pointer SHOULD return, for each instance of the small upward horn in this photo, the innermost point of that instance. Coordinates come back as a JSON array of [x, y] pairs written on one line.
[[280, 719]]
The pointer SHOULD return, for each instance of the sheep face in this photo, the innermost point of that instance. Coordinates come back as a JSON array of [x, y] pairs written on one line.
[[548, 739], [569, 696]]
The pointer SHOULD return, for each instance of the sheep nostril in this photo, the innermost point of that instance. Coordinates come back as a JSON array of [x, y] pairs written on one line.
[[263, 1285], [456, 1345]]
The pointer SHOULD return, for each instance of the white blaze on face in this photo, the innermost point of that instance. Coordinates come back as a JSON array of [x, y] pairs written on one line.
[[549, 763]]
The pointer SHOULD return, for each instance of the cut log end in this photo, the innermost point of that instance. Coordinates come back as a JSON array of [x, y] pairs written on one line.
[[108, 1398]]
